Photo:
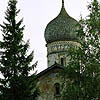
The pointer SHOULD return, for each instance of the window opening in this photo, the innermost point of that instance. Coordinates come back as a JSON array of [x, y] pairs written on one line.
[[62, 61], [57, 89]]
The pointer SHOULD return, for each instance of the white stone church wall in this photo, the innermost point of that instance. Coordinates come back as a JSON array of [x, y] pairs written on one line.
[[56, 50]]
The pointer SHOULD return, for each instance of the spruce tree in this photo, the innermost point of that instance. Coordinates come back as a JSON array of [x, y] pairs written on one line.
[[15, 64], [82, 80]]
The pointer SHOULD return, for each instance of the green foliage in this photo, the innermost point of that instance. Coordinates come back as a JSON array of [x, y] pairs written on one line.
[[15, 64], [83, 71]]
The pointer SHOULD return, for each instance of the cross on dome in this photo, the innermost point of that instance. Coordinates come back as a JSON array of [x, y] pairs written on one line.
[[62, 3]]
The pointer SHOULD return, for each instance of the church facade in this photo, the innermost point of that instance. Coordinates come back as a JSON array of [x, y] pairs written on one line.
[[59, 35]]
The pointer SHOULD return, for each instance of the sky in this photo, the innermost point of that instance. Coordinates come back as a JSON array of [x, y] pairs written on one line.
[[37, 14]]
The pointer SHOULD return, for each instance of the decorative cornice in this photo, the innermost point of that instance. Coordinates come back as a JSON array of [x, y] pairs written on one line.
[[60, 46]]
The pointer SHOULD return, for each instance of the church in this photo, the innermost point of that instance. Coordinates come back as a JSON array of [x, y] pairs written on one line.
[[59, 35]]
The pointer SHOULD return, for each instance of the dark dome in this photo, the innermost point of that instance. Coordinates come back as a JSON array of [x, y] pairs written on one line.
[[61, 28]]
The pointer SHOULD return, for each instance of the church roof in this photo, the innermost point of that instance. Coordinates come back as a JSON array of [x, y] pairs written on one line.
[[61, 28], [55, 66]]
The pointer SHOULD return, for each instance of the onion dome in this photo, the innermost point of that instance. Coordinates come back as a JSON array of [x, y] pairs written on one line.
[[62, 28]]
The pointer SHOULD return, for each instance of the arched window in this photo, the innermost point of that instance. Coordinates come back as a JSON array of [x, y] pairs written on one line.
[[62, 60], [57, 89]]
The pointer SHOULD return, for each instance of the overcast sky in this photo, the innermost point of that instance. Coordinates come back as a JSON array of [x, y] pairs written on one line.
[[37, 14]]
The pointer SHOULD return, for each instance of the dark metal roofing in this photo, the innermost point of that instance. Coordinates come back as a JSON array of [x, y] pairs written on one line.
[[55, 66], [61, 28]]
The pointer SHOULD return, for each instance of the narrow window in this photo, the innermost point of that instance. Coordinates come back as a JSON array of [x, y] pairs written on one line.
[[62, 61], [57, 89]]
